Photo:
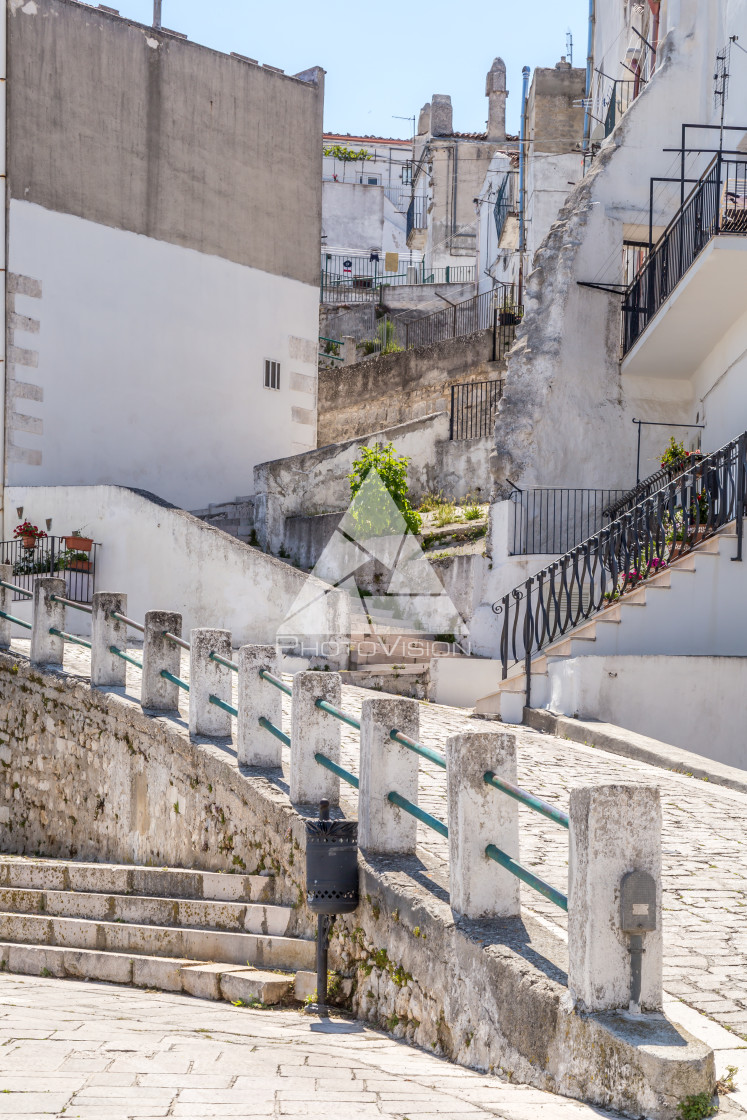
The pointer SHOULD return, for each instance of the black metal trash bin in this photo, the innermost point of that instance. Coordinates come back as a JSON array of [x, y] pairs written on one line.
[[331, 881], [332, 866]]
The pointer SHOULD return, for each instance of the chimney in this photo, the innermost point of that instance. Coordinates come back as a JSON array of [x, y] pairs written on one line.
[[441, 116], [496, 92], [424, 120]]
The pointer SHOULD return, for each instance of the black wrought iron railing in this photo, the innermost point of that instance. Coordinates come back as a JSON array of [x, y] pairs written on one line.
[[497, 309], [417, 213], [51, 556], [716, 205], [550, 520], [474, 405], [624, 554], [503, 203]]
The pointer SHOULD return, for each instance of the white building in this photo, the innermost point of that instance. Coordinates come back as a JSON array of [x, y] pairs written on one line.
[[635, 311], [163, 256], [366, 192]]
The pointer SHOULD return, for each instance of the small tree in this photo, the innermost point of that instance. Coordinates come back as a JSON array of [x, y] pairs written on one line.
[[375, 517]]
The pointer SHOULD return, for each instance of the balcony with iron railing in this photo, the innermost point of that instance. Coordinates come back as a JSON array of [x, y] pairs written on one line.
[[690, 288]]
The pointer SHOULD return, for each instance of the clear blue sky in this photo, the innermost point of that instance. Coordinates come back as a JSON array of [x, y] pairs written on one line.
[[387, 58]]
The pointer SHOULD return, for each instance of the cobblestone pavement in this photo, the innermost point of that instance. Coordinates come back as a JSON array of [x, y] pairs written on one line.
[[73, 1050], [704, 843]]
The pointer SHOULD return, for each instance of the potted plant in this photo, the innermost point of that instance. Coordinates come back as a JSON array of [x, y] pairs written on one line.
[[676, 459], [28, 534], [508, 315], [78, 543]]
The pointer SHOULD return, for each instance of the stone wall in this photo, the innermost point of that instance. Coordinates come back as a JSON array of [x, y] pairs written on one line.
[[394, 388], [304, 486], [86, 775]]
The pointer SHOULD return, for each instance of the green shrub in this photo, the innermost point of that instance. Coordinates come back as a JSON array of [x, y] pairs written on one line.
[[472, 513], [446, 514], [697, 1106], [375, 518]]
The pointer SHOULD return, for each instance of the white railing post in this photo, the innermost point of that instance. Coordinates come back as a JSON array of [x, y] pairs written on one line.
[[208, 678], [478, 815], [108, 670], [6, 605], [161, 654], [614, 829], [46, 648], [258, 698], [386, 766], [314, 731]]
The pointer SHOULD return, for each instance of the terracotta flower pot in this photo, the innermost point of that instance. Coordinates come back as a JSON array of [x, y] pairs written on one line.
[[28, 540], [79, 566], [79, 544]]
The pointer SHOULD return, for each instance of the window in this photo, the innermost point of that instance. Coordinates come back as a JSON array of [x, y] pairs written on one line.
[[272, 374], [369, 180]]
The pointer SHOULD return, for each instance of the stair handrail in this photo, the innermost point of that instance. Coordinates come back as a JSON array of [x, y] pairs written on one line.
[[620, 557]]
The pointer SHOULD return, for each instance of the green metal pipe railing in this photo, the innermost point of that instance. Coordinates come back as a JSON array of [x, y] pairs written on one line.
[[167, 676], [325, 706], [418, 748], [222, 704], [223, 661], [125, 657], [328, 764], [271, 679], [263, 722], [18, 621], [526, 876], [69, 637], [177, 641], [18, 590], [71, 603], [415, 811], [128, 621], [527, 799]]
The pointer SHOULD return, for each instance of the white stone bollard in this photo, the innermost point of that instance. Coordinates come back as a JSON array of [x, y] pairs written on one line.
[[258, 698], [206, 678], [349, 350], [387, 766], [614, 829], [6, 605], [480, 815], [108, 670], [159, 653], [46, 648], [312, 731]]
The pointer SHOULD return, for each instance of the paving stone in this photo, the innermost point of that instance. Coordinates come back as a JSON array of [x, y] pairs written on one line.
[[203, 980], [267, 987]]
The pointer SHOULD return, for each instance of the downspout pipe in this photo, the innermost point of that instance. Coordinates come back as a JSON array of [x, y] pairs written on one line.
[[655, 6], [522, 157], [589, 71], [3, 246]]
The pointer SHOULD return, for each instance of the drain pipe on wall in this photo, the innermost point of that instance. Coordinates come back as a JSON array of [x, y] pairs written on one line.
[[589, 71], [522, 164]]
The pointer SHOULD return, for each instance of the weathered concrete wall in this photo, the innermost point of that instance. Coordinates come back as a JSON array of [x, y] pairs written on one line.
[[165, 559], [394, 388], [304, 486], [85, 774], [163, 137]]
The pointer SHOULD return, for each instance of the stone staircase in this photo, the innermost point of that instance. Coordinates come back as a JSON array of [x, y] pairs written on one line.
[[695, 606], [218, 936], [235, 518]]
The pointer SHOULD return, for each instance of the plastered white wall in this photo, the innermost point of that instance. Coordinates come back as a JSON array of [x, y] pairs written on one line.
[[695, 703], [165, 559], [362, 217], [150, 362]]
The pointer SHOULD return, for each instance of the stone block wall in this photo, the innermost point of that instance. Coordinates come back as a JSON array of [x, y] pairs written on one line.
[[396, 388]]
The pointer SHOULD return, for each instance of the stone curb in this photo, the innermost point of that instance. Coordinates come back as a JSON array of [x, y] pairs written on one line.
[[618, 740]]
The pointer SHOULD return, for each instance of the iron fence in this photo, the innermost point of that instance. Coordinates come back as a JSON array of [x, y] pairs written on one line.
[[613, 562], [717, 205], [417, 214], [348, 279], [51, 556], [474, 405], [503, 203], [550, 520]]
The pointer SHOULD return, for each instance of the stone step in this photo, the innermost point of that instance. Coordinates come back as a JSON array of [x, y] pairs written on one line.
[[148, 910], [207, 980], [290, 953], [111, 878]]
